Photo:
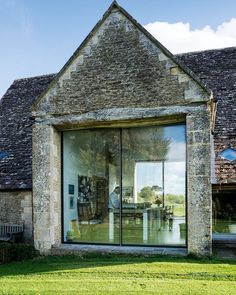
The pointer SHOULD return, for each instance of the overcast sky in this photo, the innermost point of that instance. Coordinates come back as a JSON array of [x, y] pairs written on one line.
[[38, 36]]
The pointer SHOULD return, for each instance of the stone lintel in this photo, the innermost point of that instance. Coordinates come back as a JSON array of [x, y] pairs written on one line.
[[123, 116]]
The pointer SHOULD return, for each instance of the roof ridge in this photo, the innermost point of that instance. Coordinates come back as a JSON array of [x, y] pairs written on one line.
[[33, 77], [206, 50]]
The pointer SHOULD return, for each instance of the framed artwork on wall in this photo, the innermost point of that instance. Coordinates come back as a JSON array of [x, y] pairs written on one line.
[[71, 189], [71, 202], [85, 188]]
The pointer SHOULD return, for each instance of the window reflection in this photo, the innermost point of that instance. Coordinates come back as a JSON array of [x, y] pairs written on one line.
[[154, 169], [91, 165], [151, 198], [224, 213]]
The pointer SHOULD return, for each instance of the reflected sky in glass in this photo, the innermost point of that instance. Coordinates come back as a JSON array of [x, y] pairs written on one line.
[[151, 173], [148, 174], [175, 132], [177, 147]]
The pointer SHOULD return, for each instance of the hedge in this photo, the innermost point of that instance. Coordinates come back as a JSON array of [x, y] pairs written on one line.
[[16, 252]]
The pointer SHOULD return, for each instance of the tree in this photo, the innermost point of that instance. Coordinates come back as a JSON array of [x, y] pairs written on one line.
[[147, 194]]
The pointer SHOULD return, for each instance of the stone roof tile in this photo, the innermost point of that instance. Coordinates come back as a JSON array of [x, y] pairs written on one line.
[[16, 131], [217, 69]]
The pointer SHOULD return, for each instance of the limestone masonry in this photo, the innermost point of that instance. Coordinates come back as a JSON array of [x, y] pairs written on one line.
[[119, 76]]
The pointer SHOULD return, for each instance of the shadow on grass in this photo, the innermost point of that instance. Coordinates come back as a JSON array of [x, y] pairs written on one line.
[[51, 264]]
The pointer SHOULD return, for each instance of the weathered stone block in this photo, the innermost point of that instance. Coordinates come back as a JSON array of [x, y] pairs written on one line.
[[199, 185]]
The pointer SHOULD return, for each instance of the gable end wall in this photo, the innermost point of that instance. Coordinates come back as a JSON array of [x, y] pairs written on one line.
[[119, 66]]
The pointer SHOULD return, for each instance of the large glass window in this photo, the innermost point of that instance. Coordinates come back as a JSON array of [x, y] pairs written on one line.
[[125, 186]]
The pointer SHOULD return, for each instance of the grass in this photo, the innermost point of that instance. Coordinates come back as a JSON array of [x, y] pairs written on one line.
[[118, 274]]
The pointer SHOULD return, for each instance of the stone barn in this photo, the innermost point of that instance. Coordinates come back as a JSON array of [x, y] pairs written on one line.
[[128, 147]]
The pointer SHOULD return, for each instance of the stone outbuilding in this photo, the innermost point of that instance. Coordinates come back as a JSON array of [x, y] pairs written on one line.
[[123, 147]]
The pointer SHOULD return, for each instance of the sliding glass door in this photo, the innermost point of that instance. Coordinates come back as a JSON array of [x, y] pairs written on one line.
[[125, 186], [91, 161], [153, 185]]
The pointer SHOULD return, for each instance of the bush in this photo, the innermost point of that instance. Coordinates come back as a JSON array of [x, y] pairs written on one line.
[[23, 251], [16, 252], [5, 252]]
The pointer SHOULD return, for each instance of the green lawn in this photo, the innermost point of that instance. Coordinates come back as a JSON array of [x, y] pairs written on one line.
[[118, 275]]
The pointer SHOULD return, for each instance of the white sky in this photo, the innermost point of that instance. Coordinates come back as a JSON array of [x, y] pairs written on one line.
[[150, 173], [34, 35]]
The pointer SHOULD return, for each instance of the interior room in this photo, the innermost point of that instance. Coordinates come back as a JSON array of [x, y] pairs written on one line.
[[125, 186], [224, 213]]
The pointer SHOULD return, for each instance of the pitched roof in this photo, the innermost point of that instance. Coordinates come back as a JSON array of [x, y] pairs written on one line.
[[16, 132], [216, 69]]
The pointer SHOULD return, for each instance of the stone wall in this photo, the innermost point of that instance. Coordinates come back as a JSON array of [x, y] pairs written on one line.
[[16, 208], [199, 195], [46, 187], [47, 163]]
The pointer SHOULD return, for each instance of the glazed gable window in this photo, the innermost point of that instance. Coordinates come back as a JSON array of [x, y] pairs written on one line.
[[125, 186]]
